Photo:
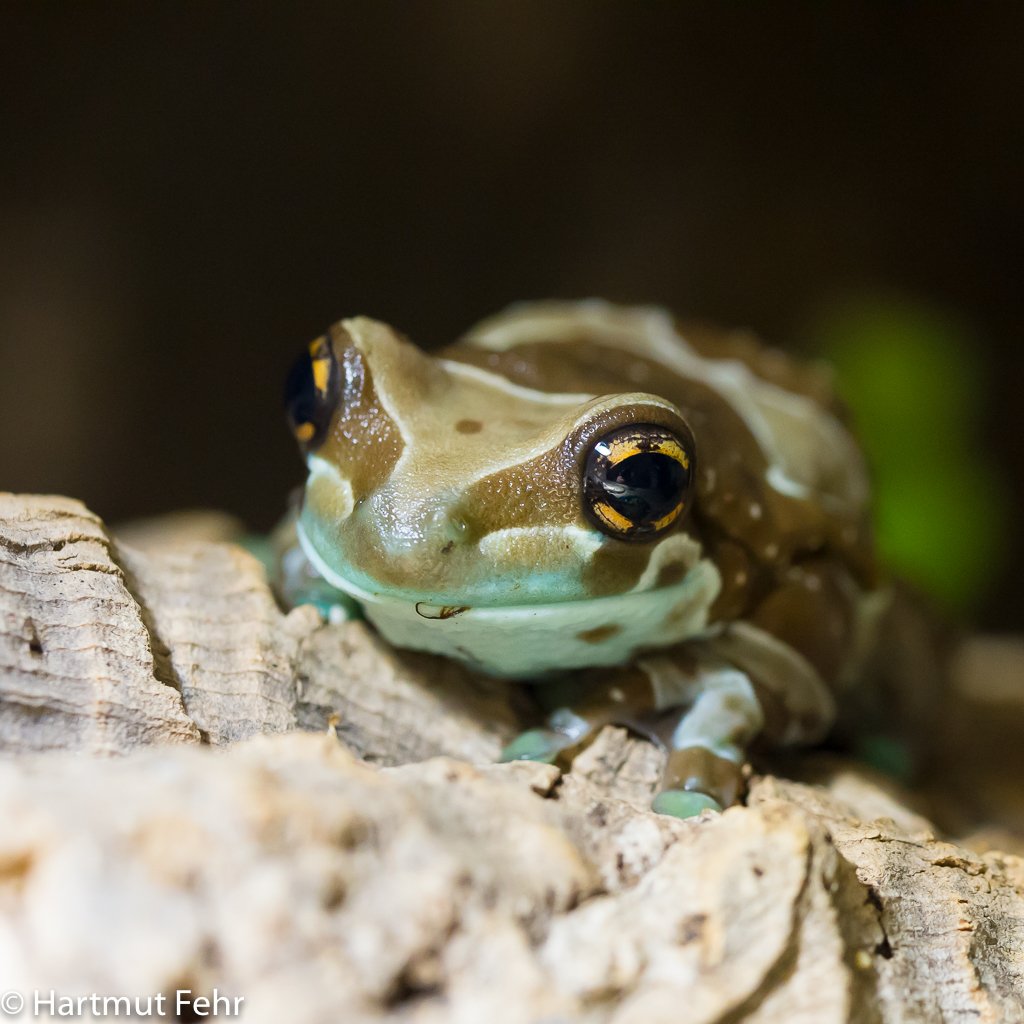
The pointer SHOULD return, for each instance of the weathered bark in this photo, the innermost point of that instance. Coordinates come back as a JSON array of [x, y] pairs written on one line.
[[106, 647], [382, 868]]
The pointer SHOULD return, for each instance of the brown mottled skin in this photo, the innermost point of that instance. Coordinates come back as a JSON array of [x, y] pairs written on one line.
[[454, 481], [769, 586]]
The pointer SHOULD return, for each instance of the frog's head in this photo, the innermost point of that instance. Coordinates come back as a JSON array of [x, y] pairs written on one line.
[[520, 530]]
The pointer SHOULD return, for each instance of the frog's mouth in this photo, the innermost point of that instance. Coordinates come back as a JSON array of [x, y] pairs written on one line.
[[529, 641]]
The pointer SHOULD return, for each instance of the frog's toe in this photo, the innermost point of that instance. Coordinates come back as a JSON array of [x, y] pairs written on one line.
[[542, 745], [684, 803]]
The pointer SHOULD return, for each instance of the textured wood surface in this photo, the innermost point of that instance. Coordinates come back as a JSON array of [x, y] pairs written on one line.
[[78, 669], [379, 867], [106, 647]]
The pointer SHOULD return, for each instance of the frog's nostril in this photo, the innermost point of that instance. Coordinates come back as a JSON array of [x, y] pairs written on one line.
[[460, 529]]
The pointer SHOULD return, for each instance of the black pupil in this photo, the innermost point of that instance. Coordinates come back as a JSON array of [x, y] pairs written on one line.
[[645, 487]]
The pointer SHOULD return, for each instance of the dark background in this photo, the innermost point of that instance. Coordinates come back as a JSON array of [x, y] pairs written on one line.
[[189, 192]]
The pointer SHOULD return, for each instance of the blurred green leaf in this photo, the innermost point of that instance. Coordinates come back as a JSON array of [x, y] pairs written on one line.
[[911, 376]]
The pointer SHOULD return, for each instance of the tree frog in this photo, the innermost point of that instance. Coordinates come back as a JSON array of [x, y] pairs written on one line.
[[665, 526]]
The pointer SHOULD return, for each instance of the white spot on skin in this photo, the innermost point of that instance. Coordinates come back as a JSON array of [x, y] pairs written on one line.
[[616, 695], [771, 550], [755, 510], [740, 578]]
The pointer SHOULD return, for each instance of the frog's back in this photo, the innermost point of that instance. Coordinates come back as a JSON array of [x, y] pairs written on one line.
[[780, 479]]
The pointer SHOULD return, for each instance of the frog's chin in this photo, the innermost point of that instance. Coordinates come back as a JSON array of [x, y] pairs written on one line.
[[534, 640]]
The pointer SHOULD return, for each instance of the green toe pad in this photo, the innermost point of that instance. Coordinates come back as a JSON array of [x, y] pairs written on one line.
[[683, 803], [542, 745]]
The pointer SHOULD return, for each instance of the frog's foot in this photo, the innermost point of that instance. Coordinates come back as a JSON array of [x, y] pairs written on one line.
[[297, 582], [684, 803], [565, 729], [697, 778], [333, 605], [543, 745]]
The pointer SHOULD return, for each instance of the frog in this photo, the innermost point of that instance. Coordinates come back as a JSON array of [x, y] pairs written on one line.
[[651, 522]]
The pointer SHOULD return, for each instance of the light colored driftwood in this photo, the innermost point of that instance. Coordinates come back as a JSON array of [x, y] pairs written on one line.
[[77, 669], [319, 888], [244, 668], [106, 647], [287, 870]]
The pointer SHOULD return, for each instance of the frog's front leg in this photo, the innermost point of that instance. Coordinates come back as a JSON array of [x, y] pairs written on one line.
[[726, 690], [707, 742], [299, 583], [719, 714], [580, 704], [294, 578]]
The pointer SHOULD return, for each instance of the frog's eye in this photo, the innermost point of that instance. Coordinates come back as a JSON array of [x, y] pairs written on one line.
[[637, 481], [311, 393]]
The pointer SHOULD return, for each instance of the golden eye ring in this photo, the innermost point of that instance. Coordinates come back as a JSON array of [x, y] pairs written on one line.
[[637, 481]]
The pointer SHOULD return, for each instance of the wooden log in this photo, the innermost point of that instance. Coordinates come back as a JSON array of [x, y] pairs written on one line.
[[309, 821]]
